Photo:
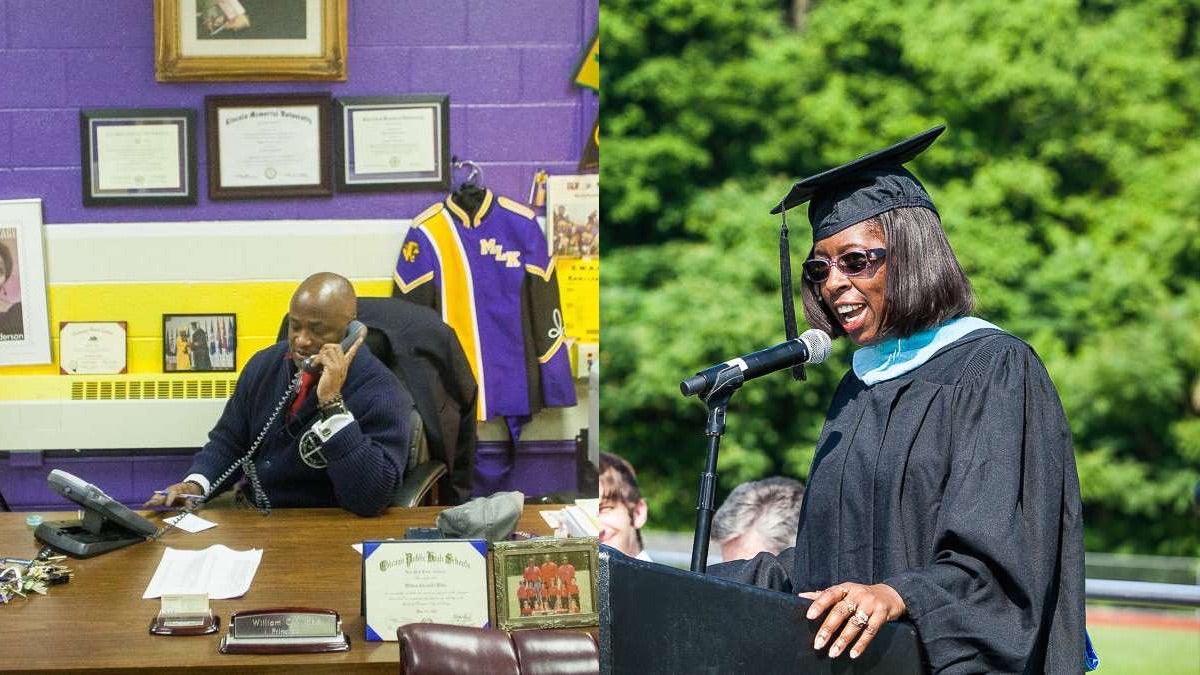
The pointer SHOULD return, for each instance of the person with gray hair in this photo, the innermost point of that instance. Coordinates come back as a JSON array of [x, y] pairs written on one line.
[[758, 516]]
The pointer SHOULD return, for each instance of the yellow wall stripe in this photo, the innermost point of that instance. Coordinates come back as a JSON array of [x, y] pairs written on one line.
[[259, 306]]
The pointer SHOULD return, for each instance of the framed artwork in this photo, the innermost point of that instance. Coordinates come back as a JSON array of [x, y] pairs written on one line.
[[393, 142], [545, 583], [199, 343], [138, 156], [24, 319], [249, 40], [268, 146]]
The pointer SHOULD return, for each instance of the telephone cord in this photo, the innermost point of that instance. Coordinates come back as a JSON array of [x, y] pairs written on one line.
[[261, 501]]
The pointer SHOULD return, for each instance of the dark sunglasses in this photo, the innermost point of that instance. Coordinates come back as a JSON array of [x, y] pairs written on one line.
[[856, 263]]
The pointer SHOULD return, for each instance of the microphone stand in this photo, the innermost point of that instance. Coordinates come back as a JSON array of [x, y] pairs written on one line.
[[716, 400]]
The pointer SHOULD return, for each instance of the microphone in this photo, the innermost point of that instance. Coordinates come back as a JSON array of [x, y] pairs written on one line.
[[813, 346]]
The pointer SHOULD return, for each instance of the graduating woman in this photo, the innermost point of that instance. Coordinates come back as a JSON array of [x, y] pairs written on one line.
[[943, 490]]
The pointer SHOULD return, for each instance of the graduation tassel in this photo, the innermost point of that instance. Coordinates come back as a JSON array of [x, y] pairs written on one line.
[[785, 283]]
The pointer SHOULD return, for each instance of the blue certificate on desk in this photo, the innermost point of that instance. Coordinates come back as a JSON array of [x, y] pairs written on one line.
[[423, 581]]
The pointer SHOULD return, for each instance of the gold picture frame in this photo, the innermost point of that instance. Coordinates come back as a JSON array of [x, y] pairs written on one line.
[[551, 600], [186, 48]]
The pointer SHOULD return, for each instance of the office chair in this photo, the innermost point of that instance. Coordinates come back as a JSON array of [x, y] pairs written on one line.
[[422, 473]]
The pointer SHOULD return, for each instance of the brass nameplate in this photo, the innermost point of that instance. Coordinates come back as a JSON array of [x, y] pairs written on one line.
[[283, 624], [284, 630]]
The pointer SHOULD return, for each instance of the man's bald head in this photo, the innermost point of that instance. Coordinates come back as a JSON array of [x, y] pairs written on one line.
[[330, 292], [321, 309]]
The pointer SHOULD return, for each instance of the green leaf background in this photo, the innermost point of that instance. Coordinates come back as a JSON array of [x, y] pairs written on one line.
[[1068, 183]]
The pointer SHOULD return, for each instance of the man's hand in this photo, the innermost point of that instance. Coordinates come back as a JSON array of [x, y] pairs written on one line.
[[174, 495], [862, 610], [336, 364]]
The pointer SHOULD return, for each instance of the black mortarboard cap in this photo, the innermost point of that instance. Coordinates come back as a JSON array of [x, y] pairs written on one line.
[[847, 195], [864, 188]]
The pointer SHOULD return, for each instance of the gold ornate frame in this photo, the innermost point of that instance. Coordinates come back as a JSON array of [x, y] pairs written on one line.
[[172, 66], [583, 550]]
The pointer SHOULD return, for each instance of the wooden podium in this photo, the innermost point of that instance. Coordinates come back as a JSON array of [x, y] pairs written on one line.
[[658, 619]]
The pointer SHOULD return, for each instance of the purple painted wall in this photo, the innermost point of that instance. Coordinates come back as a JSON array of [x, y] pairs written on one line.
[[508, 67], [542, 467]]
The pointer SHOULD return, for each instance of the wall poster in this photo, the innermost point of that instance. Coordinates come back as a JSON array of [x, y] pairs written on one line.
[[24, 323]]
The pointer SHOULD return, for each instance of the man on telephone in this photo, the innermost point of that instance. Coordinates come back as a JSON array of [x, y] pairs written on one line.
[[341, 442]]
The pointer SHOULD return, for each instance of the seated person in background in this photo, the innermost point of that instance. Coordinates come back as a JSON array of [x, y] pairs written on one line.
[[354, 421], [623, 512], [758, 516]]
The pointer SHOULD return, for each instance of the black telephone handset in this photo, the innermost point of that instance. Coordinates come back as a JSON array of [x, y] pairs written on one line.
[[353, 331]]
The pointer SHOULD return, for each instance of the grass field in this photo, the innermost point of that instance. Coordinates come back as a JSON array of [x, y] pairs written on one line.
[[1133, 650]]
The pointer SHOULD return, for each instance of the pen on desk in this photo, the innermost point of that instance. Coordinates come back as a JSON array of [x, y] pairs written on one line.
[[185, 495]]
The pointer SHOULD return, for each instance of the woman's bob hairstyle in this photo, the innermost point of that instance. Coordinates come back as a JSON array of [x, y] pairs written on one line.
[[925, 284]]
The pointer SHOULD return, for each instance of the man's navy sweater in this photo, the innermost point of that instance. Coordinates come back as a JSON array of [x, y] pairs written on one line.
[[366, 457]]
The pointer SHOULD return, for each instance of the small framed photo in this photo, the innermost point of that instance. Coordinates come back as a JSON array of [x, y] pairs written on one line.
[[249, 40], [545, 583], [393, 142], [199, 343], [138, 156], [573, 215], [268, 146]]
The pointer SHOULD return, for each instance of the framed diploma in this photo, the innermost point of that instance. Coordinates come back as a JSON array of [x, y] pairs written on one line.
[[545, 583], [393, 142], [92, 347], [249, 40], [423, 580], [134, 156], [268, 146]]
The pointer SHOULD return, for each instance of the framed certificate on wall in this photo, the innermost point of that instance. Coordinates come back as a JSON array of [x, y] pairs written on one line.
[[268, 146], [138, 156], [92, 347], [393, 142]]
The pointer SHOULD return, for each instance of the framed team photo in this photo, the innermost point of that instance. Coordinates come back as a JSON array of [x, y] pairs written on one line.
[[199, 343], [545, 583]]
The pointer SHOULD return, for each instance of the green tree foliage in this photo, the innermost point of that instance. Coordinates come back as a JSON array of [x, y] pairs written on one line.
[[1069, 184]]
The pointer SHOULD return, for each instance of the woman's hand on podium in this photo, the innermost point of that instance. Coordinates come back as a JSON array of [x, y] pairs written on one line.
[[858, 611]]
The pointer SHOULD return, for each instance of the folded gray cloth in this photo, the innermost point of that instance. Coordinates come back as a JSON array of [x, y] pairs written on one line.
[[493, 517]]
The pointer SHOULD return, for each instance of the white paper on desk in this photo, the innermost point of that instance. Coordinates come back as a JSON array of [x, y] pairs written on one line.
[[217, 570], [190, 522]]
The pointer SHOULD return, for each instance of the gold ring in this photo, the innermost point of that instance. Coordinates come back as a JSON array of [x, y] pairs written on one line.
[[860, 619], [848, 606]]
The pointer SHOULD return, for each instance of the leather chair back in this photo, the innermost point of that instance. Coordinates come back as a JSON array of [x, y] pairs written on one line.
[[437, 649]]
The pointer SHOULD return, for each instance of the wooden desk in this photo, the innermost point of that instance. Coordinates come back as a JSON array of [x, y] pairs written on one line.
[[99, 622]]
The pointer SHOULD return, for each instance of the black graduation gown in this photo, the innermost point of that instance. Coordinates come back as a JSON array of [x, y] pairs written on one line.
[[955, 484]]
